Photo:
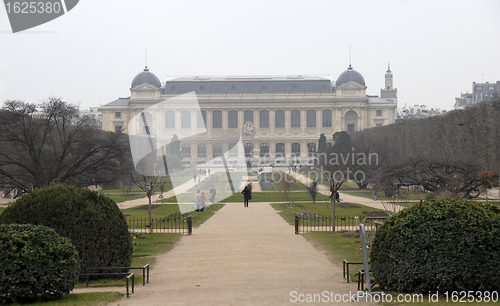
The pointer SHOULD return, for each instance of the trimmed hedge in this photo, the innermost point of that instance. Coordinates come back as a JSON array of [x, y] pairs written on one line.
[[93, 222], [440, 245], [35, 263]]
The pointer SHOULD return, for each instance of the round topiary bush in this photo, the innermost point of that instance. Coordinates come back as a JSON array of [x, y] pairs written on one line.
[[440, 245], [35, 263], [93, 222]]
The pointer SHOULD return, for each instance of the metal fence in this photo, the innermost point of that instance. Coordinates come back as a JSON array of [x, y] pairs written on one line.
[[310, 222], [177, 225]]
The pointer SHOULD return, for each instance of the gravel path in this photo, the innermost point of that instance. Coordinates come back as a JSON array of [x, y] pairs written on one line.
[[240, 256]]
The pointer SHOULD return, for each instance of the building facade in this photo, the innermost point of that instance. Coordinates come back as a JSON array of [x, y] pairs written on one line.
[[279, 119], [480, 92]]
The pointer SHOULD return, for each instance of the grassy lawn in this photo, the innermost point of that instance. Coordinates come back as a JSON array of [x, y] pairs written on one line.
[[323, 209], [268, 196], [146, 247], [162, 211], [81, 299]]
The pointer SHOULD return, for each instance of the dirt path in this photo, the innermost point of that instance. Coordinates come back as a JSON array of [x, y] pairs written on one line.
[[240, 256]]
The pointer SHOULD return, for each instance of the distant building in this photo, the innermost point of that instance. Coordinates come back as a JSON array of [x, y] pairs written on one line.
[[418, 112], [279, 118], [93, 113], [480, 92]]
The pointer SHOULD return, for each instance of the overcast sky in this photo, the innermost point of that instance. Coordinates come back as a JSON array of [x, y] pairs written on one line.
[[90, 55]]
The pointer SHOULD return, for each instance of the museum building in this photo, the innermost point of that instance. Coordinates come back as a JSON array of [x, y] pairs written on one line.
[[278, 118]]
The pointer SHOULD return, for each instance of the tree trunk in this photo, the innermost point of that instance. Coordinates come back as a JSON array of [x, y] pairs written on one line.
[[333, 213], [150, 217]]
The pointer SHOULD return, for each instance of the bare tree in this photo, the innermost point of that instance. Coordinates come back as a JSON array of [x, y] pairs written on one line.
[[150, 185], [335, 179], [47, 143]]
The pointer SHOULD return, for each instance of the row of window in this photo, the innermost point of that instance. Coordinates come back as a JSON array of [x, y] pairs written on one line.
[[248, 116], [233, 151]]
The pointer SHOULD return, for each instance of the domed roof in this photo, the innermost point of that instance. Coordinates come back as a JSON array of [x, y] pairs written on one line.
[[350, 75], [146, 77]]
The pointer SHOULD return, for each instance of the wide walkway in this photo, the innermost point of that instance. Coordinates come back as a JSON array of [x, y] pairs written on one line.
[[240, 256]]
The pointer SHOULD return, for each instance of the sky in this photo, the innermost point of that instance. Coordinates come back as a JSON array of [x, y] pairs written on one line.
[[90, 55]]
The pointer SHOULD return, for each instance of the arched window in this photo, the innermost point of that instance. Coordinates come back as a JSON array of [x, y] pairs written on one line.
[[264, 150], [170, 119], [247, 116], [217, 119], [232, 119], [186, 119], [201, 119], [295, 116], [264, 118], [311, 118], [279, 118], [351, 121], [248, 149], [217, 149], [296, 149], [327, 117], [202, 150]]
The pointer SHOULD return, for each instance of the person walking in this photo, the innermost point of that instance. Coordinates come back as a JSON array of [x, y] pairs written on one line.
[[375, 194], [212, 193], [197, 200], [247, 195], [203, 201]]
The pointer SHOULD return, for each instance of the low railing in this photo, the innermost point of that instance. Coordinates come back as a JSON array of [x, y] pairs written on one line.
[[310, 222], [177, 225]]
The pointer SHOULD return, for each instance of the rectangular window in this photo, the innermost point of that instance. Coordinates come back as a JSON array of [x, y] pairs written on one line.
[[350, 128], [311, 118], [201, 119], [247, 116], [232, 119], [280, 149], [233, 150], [264, 150], [217, 149], [248, 149], [118, 128], [202, 150], [279, 118], [170, 119], [264, 118], [327, 118], [379, 112], [118, 114], [295, 114], [217, 119], [186, 119], [378, 124], [186, 150], [296, 149]]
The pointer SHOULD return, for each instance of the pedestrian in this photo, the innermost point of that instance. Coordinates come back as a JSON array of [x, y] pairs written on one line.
[[337, 196], [197, 200], [247, 195], [203, 201], [209, 171], [194, 178], [375, 194], [212, 193]]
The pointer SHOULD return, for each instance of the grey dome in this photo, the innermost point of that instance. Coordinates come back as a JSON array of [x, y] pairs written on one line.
[[350, 75], [146, 77]]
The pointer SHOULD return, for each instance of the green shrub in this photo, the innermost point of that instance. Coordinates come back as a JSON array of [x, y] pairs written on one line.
[[93, 222], [35, 263], [440, 245]]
